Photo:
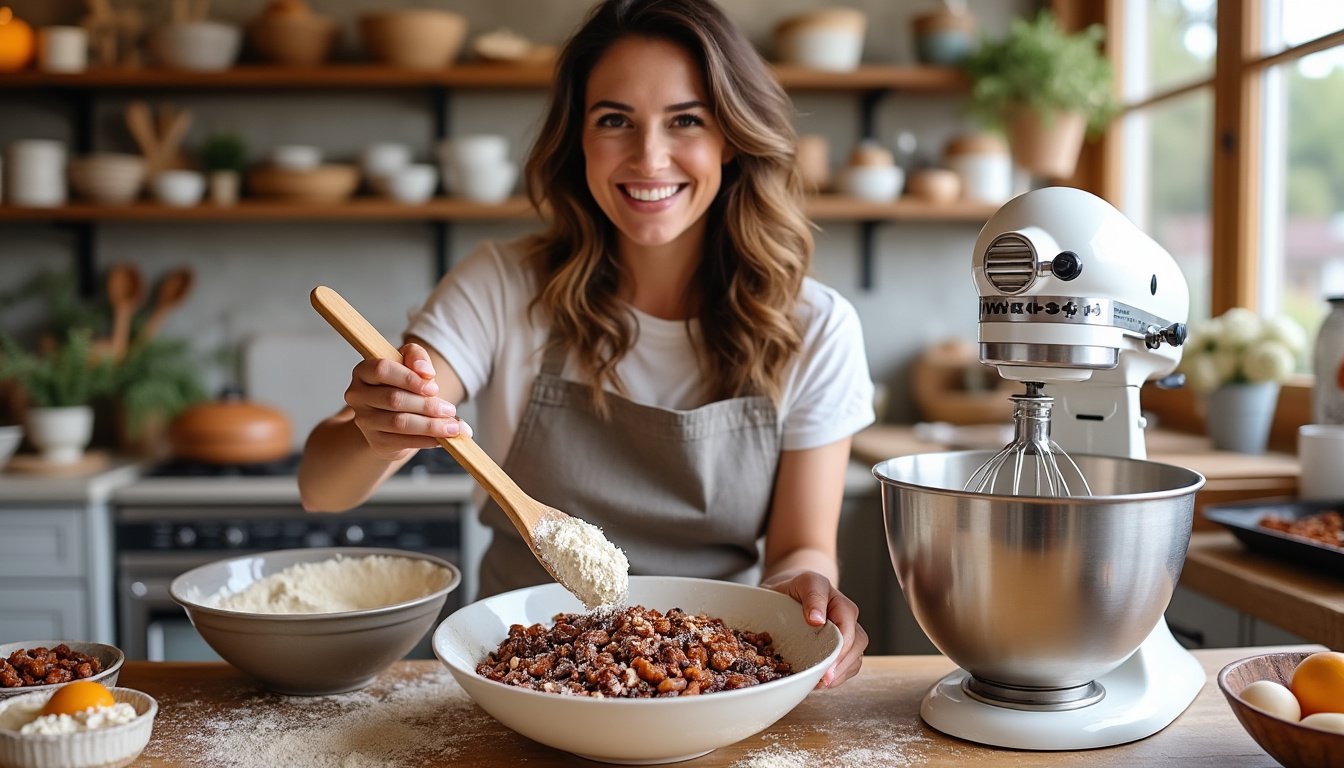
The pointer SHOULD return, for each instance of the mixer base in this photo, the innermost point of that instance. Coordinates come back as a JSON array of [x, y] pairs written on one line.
[[1143, 695]]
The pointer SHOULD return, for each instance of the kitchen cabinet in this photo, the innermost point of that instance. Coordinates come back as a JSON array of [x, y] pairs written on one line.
[[55, 572], [870, 83]]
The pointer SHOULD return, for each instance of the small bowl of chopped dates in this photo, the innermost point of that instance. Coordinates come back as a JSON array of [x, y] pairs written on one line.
[[684, 667], [45, 665]]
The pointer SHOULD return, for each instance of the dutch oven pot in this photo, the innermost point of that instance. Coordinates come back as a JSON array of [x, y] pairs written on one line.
[[230, 430]]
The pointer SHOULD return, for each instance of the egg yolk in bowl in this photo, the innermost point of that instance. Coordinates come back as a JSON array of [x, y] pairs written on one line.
[[77, 697]]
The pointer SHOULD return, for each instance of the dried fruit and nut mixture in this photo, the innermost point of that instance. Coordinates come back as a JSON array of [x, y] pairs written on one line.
[[46, 666], [1325, 528], [633, 653]]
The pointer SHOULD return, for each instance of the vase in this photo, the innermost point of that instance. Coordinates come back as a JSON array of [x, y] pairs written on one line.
[[61, 434], [1238, 416]]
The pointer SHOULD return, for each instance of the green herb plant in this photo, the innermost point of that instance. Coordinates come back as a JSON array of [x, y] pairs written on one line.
[[1039, 66], [66, 375], [224, 152], [157, 379]]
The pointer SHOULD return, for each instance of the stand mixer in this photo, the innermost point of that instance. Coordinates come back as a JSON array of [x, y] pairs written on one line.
[[1043, 570]]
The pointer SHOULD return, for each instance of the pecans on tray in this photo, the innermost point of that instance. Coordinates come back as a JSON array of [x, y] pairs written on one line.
[[1325, 528], [46, 666], [633, 652]]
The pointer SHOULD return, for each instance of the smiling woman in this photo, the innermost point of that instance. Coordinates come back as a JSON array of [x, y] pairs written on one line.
[[655, 362]]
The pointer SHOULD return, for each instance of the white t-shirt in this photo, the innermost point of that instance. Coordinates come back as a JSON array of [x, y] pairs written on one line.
[[477, 319]]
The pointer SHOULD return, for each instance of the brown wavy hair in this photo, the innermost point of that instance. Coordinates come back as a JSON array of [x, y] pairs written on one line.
[[758, 245]]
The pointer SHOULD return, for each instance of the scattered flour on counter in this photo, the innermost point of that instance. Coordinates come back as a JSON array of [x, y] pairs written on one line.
[[897, 744], [337, 584], [594, 569], [418, 722]]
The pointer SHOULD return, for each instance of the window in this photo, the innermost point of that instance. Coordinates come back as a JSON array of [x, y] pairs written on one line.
[[1230, 152]]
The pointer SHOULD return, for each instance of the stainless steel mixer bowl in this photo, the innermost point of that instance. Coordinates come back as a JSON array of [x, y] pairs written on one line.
[[1037, 592]]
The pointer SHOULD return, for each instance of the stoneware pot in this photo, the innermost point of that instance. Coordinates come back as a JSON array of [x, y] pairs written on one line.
[[230, 430], [1238, 416], [61, 434]]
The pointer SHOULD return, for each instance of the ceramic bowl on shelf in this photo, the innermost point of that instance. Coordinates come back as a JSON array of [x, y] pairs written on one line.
[[293, 40], [206, 46], [631, 730], [108, 178], [873, 183], [944, 37], [412, 184], [330, 183], [110, 658], [939, 186], [110, 747], [485, 183], [414, 38], [312, 654], [179, 188], [296, 157], [829, 39], [1292, 744]]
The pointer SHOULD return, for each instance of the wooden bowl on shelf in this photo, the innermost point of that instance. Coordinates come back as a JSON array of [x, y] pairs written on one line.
[[324, 184], [299, 41], [414, 38]]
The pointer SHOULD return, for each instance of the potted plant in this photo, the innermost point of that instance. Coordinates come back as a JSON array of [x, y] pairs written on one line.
[[223, 156], [1236, 363], [61, 385], [1046, 88], [157, 380]]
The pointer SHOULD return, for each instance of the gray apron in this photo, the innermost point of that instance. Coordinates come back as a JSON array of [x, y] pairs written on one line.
[[684, 493]]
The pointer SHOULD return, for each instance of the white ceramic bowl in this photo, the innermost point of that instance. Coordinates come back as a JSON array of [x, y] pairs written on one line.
[[829, 39], [381, 159], [412, 184], [487, 183], [296, 157], [200, 45], [110, 656], [640, 731], [110, 747], [307, 653], [474, 149], [179, 189], [874, 183], [11, 435]]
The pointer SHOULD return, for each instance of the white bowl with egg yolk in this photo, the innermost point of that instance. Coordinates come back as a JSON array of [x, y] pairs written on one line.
[[110, 747]]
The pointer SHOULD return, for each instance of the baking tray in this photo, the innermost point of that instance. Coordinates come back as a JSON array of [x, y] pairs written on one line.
[[1244, 521]]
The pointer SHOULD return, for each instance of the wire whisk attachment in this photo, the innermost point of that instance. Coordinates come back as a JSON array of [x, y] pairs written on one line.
[[1031, 464]]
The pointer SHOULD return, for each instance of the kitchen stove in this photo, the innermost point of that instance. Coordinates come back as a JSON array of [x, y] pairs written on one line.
[[182, 514]]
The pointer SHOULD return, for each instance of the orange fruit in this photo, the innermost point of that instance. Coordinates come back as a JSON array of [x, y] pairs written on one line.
[[1318, 683], [77, 697]]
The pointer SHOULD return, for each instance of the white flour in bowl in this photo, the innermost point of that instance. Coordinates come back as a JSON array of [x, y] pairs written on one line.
[[588, 565], [337, 584]]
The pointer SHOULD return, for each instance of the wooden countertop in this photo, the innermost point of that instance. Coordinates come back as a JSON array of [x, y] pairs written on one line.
[[415, 714]]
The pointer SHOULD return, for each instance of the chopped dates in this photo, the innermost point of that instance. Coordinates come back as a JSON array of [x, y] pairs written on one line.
[[46, 666], [633, 653]]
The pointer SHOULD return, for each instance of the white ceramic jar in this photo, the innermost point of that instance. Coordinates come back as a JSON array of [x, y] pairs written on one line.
[[36, 173], [62, 49], [984, 165]]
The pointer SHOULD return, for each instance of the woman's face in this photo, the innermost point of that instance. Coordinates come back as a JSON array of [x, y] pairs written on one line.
[[654, 154]]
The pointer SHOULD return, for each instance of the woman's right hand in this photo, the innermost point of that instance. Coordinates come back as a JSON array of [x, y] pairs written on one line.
[[396, 405]]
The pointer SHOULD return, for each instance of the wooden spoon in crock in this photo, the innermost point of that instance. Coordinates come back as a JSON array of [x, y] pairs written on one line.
[[522, 510]]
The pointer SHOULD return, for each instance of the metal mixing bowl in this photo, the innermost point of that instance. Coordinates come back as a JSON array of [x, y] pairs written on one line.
[[1034, 592]]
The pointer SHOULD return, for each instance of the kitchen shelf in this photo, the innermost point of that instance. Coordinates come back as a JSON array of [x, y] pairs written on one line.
[[819, 208], [872, 77]]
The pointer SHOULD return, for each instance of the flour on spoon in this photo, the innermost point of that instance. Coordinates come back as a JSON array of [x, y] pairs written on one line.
[[591, 567]]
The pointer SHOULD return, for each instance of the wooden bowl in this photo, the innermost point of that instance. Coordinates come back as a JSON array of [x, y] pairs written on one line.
[[1293, 745], [293, 40], [414, 38], [323, 184]]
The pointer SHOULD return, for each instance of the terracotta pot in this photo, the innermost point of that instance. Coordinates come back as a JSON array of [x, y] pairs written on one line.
[[230, 431], [1047, 146]]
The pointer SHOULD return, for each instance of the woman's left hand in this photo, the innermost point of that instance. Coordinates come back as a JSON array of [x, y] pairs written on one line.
[[822, 601]]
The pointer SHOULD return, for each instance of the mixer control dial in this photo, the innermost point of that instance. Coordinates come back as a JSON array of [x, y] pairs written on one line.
[[1173, 334], [1066, 265]]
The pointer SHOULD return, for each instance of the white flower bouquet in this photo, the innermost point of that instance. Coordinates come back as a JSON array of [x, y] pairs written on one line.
[[1240, 347]]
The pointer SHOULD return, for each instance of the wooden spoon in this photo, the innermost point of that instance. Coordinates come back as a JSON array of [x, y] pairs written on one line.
[[125, 291], [522, 510], [172, 291]]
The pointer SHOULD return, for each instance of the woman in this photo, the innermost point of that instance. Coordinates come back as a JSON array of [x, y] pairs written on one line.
[[656, 362]]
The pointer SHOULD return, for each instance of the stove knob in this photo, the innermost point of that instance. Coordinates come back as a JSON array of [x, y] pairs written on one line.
[[353, 535], [185, 537], [318, 539], [235, 536]]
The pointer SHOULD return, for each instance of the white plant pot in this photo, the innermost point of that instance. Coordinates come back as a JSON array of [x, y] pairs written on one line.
[[61, 434]]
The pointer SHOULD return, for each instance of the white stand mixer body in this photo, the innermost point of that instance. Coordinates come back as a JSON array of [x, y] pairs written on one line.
[[1090, 326]]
